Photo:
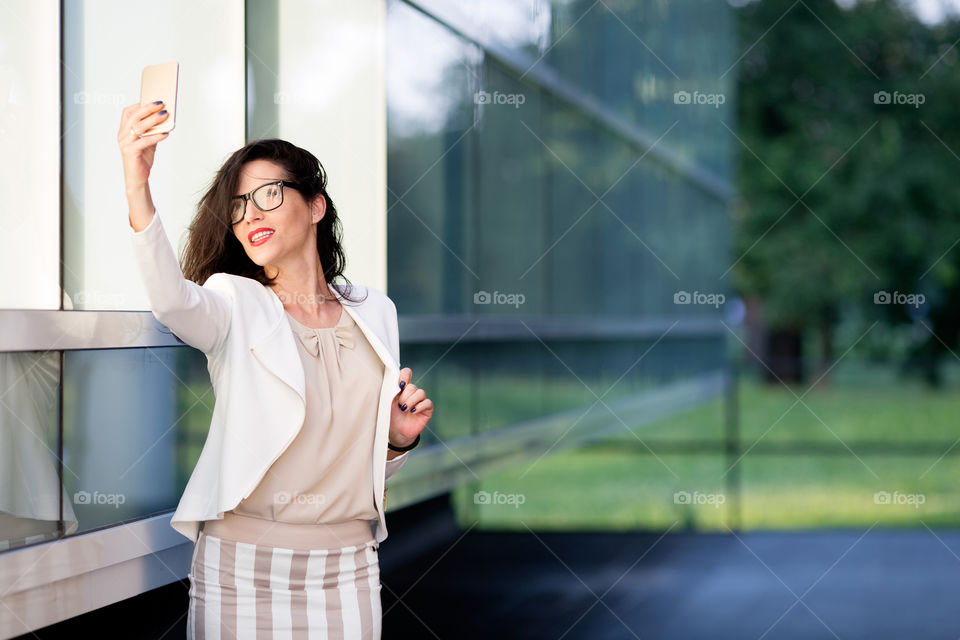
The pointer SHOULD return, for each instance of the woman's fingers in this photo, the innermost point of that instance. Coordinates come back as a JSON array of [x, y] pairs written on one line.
[[146, 123], [150, 141], [136, 148], [413, 398], [423, 406], [408, 389], [410, 395], [138, 110], [140, 118]]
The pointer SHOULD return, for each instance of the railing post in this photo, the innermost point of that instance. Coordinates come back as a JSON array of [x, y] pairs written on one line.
[[731, 430]]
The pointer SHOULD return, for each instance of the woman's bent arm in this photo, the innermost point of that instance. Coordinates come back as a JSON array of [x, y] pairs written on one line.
[[200, 316]]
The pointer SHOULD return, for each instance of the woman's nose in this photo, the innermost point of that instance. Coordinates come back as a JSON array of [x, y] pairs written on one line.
[[254, 212]]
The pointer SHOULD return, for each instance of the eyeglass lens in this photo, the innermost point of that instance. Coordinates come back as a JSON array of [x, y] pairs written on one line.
[[266, 197]]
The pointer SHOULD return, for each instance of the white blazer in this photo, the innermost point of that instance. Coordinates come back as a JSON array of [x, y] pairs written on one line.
[[257, 375]]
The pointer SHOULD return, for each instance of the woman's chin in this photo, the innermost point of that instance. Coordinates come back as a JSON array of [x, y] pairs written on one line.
[[260, 258]]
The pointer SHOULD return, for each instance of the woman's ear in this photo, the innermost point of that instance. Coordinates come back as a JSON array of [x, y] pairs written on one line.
[[318, 208]]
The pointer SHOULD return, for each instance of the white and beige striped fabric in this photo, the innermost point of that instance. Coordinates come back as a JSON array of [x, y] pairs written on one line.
[[243, 590]]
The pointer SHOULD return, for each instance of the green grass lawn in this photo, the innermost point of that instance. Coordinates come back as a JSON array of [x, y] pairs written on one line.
[[621, 488]]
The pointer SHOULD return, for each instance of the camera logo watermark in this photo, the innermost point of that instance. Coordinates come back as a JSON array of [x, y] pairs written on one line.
[[98, 299], [294, 98], [485, 497], [913, 499], [301, 298], [685, 297], [685, 97], [497, 297], [485, 97], [292, 497], [99, 98], [686, 497], [97, 498], [912, 99], [912, 299]]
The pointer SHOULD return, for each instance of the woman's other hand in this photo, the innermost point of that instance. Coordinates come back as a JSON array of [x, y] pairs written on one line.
[[411, 411]]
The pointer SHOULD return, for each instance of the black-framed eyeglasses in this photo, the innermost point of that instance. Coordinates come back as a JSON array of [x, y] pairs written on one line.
[[266, 197]]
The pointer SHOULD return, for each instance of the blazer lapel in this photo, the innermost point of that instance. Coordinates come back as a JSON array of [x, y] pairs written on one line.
[[278, 353], [372, 337]]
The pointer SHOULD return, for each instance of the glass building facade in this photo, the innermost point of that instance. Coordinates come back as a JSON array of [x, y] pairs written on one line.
[[533, 183], [548, 194]]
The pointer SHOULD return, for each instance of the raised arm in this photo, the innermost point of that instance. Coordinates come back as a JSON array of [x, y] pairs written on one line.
[[200, 316]]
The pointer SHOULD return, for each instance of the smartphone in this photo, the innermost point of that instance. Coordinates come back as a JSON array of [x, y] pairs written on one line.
[[159, 82]]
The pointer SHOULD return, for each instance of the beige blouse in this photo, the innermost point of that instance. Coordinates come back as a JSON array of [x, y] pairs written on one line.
[[325, 475]]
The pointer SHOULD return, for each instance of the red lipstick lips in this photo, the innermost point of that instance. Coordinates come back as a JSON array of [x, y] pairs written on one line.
[[263, 238]]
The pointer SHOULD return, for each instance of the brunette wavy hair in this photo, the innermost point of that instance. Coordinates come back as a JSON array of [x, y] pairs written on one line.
[[212, 246]]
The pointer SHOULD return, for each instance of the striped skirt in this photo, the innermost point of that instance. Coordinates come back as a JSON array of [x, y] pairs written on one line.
[[240, 588]]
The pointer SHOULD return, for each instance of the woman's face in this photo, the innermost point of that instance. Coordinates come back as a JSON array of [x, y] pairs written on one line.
[[272, 237]]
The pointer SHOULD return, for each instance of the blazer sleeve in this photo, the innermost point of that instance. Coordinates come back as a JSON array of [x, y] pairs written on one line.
[[393, 343], [198, 315]]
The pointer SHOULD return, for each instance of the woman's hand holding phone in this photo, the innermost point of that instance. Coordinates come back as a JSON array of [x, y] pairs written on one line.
[[138, 154]]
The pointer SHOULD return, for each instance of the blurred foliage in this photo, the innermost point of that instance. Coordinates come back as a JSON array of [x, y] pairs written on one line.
[[843, 193]]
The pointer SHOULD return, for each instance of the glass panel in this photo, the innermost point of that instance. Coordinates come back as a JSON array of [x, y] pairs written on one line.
[[134, 423], [30, 166], [509, 228], [30, 493], [508, 199], [315, 77], [627, 55], [431, 80], [106, 45]]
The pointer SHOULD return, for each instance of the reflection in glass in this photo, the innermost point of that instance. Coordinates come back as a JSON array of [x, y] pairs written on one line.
[[502, 188], [30, 490], [431, 77], [134, 421], [206, 38]]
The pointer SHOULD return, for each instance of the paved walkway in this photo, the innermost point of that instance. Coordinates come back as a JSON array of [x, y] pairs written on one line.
[[871, 584]]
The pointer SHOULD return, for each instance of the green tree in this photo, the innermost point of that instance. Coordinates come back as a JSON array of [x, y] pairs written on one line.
[[847, 191]]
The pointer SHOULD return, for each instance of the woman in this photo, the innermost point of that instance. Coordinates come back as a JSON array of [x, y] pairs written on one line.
[[312, 412]]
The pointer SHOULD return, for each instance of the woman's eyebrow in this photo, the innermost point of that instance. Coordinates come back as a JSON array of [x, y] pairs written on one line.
[[259, 185]]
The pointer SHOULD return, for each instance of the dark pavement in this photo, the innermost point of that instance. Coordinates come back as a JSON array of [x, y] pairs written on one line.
[[866, 583]]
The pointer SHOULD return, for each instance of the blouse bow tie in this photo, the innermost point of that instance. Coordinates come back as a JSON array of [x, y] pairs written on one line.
[[342, 335]]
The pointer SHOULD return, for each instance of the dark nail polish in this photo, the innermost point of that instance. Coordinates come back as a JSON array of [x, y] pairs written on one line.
[[412, 410], [403, 383], [163, 112], [403, 407], [158, 102]]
